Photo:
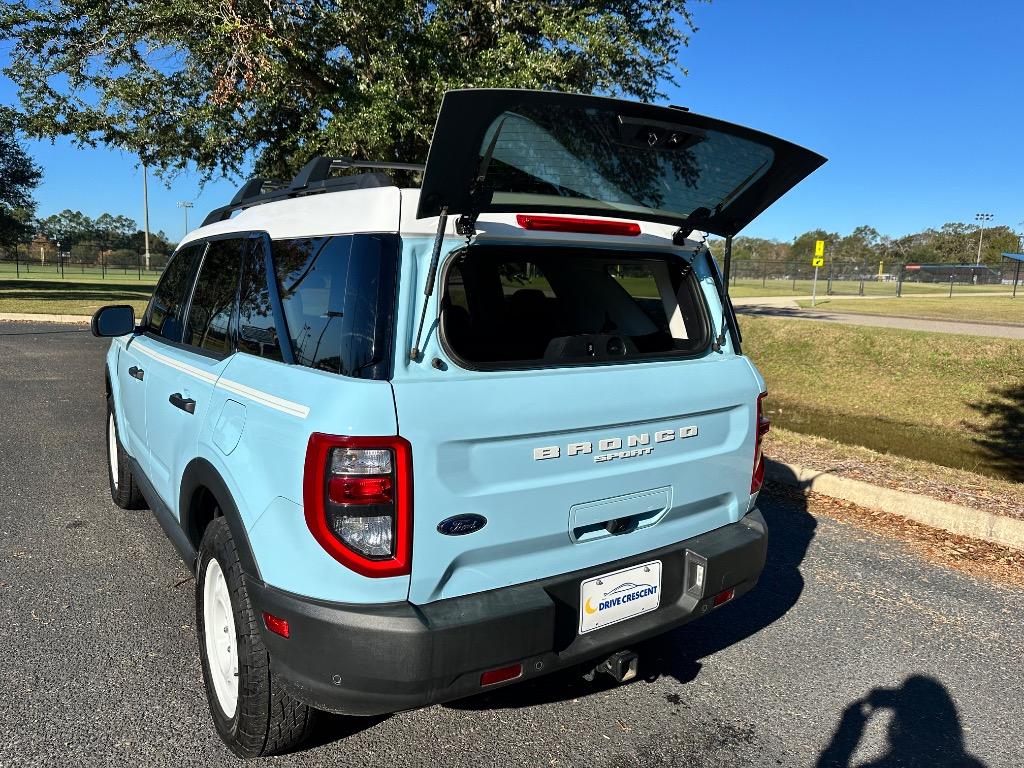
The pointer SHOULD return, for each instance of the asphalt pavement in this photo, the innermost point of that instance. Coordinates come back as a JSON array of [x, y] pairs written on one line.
[[850, 652]]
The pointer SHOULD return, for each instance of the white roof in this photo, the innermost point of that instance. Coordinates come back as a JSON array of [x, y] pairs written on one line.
[[390, 209]]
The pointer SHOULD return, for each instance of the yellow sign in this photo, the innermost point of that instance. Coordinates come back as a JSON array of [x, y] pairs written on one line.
[[817, 261], [819, 248]]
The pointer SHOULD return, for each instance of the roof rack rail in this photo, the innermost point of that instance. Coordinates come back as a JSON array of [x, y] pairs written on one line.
[[314, 177]]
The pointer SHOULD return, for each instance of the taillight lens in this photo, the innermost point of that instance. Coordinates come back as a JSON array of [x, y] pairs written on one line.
[[761, 425], [357, 493]]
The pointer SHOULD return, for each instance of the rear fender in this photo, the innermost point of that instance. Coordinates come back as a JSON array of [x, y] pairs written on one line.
[[200, 474]]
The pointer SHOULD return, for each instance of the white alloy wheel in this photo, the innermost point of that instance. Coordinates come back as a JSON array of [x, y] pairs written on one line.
[[219, 629], [112, 449]]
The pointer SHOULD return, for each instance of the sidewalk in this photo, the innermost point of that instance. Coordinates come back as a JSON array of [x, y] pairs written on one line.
[[791, 311]]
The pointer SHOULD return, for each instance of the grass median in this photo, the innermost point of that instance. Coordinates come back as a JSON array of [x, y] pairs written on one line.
[[957, 401], [978, 309], [71, 297]]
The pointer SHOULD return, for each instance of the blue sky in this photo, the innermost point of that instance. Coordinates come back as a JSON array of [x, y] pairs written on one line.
[[919, 107]]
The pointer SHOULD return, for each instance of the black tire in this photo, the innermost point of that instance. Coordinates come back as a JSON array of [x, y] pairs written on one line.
[[124, 491], [266, 720]]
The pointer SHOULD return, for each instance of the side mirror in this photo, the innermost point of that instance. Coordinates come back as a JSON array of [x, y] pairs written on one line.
[[115, 320]]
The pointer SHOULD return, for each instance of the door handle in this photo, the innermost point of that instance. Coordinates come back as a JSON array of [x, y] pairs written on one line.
[[186, 404], [137, 372]]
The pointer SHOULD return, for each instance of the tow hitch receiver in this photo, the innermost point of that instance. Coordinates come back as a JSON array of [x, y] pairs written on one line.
[[620, 665]]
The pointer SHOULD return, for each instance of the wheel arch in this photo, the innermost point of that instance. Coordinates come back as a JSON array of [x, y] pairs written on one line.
[[203, 493]]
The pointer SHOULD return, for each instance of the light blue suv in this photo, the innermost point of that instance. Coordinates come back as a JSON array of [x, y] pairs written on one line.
[[417, 443]]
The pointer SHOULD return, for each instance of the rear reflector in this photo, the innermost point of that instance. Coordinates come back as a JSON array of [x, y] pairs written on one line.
[[275, 624], [501, 675], [723, 597], [576, 224]]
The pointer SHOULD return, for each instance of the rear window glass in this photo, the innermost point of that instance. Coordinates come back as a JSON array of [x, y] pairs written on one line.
[[338, 295], [571, 157], [514, 308]]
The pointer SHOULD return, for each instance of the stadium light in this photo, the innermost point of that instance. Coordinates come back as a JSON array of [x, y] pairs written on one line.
[[981, 218], [185, 204]]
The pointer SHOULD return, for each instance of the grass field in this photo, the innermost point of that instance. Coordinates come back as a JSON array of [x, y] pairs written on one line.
[[75, 274], [71, 297], [994, 309], [952, 400]]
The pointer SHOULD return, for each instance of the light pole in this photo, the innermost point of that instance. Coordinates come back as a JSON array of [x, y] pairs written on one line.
[[145, 205], [185, 204], [981, 218]]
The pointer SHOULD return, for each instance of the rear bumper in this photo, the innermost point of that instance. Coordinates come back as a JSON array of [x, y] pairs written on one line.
[[369, 660]]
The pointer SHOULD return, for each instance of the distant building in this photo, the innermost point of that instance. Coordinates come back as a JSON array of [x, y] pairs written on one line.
[[40, 246]]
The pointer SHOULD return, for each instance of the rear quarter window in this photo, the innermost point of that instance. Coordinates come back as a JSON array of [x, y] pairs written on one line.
[[509, 307], [338, 296]]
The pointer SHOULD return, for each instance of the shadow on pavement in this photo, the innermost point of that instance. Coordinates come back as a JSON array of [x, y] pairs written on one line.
[[924, 731], [678, 653], [1002, 438]]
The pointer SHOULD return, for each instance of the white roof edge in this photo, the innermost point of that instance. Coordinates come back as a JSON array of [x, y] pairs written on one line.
[[390, 209]]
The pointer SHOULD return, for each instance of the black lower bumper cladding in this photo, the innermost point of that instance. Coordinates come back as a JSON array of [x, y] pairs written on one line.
[[372, 660]]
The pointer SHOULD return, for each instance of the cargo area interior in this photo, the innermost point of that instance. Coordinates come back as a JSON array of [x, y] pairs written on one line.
[[509, 306]]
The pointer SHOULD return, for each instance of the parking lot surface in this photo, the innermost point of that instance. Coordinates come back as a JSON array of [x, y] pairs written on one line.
[[851, 651]]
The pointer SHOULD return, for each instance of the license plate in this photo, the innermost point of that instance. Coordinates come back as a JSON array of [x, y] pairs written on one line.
[[615, 597]]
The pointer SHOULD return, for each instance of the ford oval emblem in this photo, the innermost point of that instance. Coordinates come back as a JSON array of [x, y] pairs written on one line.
[[460, 525]]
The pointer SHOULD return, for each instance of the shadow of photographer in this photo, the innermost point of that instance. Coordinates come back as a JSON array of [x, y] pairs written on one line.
[[924, 729]]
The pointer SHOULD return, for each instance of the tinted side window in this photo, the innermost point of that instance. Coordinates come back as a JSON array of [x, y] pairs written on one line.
[[213, 301], [166, 313], [257, 333], [338, 295]]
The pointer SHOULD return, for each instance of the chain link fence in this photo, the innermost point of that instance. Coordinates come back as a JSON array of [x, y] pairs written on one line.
[[49, 264], [848, 278]]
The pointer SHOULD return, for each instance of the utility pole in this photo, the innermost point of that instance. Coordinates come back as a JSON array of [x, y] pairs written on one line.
[[185, 204], [145, 204], [981, 218]]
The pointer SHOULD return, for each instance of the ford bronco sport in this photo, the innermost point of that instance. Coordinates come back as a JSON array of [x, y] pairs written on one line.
[[416, 444]]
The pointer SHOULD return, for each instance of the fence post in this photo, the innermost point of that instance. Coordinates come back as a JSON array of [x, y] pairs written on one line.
[[1016, 277], [764, 275], [17, 268], [952, 277], [138, 263], [899, 281], [828, 287]]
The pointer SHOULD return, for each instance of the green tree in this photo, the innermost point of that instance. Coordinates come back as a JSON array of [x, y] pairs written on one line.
[[18, 177], [69, 228], [216, 84]]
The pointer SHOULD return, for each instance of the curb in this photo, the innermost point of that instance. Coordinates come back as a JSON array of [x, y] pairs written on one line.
[[954, 518], [41, 318]]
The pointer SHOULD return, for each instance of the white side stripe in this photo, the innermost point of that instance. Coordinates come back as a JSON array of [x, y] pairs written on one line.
[[263, 398], [199, 373]]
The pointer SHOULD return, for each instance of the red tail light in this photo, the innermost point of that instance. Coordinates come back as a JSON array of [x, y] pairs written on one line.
[[576, 224], [357, 493], [761, 425]]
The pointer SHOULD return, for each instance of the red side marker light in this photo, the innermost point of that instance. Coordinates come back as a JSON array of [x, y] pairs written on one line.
[[577, 224], [723, 597], [276, 625], [501, 675]]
